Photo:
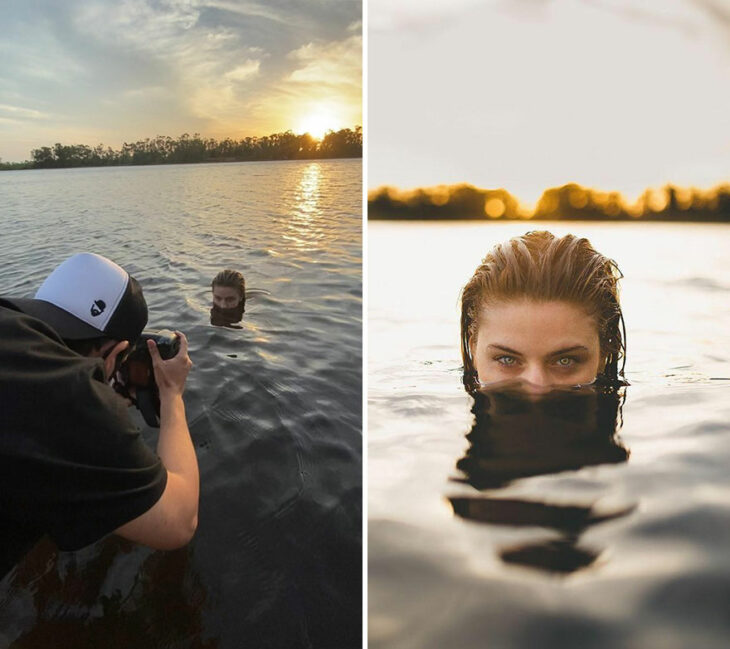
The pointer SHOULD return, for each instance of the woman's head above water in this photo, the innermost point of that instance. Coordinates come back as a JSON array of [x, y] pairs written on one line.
[[543, 310], [229, 289]]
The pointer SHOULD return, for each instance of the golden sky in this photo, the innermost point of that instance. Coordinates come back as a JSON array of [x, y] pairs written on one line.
[[105, 71]]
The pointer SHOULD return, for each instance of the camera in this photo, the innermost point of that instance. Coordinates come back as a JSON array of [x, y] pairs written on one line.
[[136, 372]]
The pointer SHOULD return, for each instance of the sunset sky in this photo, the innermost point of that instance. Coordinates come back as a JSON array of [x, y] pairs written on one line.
[[109, 71], [528, 94]]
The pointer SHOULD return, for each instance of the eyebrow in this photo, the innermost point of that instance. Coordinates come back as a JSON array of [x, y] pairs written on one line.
[[566, 350]]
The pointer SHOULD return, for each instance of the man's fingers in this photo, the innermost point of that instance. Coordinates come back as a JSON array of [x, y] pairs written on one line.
[[110, 361], [118, 349], [183, 343], [154, 352]]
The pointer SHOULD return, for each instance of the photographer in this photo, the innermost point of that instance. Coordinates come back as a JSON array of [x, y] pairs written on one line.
[[72, 463]]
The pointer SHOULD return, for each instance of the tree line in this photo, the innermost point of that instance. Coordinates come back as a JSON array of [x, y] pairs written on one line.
[[345, 143], [568, 202]]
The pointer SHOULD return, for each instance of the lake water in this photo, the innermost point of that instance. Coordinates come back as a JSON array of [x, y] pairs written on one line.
[[596, 521], [274, 408]]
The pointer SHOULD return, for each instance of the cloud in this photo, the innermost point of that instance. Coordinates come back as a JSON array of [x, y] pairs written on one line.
[[204, 62], [245, 71], [145, 92], [256, 9], [338, 63], [129, 69], [18, 113], [717, 10], [670, 13]]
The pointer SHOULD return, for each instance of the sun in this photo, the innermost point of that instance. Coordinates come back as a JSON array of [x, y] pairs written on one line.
[[317, 123]]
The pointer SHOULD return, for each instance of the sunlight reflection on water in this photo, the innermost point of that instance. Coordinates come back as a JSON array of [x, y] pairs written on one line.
[[274, 408]]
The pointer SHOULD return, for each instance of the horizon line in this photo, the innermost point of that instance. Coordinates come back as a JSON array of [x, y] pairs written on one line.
[[193, 136]]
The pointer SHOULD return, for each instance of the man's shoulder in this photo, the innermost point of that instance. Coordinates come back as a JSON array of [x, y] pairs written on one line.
[[45, 385], [14, 324], [30, 350]]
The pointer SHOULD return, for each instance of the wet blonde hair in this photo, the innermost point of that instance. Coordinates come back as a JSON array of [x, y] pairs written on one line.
[[232, 279], [542, 267]]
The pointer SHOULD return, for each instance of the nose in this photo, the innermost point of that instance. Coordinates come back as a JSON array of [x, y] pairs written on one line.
[[536, 379]]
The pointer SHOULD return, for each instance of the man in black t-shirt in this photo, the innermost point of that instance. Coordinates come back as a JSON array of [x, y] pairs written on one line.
[[72, 463]]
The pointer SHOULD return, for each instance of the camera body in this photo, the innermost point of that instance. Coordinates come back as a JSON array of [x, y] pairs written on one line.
[[136, 372]]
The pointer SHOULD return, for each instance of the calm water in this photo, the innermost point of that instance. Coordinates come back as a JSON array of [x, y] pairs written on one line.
[[274, 408], [502, 524]]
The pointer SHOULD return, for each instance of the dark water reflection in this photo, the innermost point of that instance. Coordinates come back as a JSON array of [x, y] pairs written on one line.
[[274, 408], [518, 435], [220, 317]]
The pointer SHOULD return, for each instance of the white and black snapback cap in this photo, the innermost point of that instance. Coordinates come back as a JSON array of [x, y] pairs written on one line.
[[88, 296]]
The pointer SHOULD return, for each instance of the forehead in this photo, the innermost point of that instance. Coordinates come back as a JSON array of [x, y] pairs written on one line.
[[225, 291], [530, 326]]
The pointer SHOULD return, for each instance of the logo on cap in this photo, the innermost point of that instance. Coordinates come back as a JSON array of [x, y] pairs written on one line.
[[97, 308]]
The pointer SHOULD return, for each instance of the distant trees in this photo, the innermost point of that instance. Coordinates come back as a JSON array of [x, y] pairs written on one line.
[[345, 143], [568, 202], [342, 144], [8, 166]]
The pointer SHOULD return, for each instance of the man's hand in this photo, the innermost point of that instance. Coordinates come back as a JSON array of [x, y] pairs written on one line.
[[170, 375], [110, 360]]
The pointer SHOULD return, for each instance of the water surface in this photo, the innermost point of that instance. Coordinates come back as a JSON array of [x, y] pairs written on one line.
[[274, 408], [519, 527]]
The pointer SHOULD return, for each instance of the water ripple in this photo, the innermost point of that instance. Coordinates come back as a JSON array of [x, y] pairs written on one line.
[[274, 408]]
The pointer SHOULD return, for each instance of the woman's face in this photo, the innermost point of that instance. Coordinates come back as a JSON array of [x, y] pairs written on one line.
[[226, 297], [543, 344]]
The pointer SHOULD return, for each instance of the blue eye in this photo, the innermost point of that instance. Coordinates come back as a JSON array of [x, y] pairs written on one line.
[[507, 361]]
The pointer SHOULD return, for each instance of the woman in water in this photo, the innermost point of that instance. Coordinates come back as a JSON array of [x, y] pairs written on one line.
[[543, 311], [229, 298]]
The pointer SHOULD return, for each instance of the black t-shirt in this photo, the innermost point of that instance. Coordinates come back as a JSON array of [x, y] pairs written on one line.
[[72, 463]]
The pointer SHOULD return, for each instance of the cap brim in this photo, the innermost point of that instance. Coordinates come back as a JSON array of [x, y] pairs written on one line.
[[67, 325]]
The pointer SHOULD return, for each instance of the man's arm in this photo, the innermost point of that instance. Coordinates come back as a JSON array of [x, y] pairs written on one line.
[[171, 522]]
